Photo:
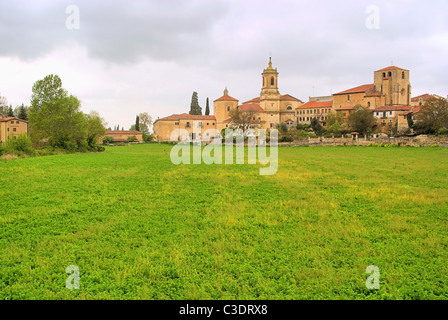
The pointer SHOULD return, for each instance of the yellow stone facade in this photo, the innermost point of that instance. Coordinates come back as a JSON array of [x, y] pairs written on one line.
[[11, 126]]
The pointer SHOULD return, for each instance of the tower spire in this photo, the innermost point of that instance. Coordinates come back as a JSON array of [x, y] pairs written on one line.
[[226, 92]]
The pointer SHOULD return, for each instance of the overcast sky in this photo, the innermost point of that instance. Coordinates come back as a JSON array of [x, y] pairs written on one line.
[[138, 56]]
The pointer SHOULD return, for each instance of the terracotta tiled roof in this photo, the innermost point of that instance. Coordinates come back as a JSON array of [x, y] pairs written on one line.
[[359, 89], [344, 108], [11, 118], [133, 132], [251, 107], [393, 108], [186, 116], [316, 104], [226, 98], [254, 100], [390, 68], [374, 94], [424, 97], [287, 97]]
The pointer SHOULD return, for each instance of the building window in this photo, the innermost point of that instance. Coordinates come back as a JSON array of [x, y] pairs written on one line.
[[207, 123], [14, 129], [402, 75], [228, 108], [384, 74], [272, 125], [272, 81], [187, 124], [368, 104], [17, 122], [390, 122], [390, 74], [213, 124], [383, 123], [12, 122], [289, 108], [199, 124], [348, 97], [390, 113], [176, 123]]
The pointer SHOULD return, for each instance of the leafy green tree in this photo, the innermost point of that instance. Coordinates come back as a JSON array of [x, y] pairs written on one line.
[[361, 120], [207, 108], [3, 107], [137, 123], [334, 117], [145, 122], [317, 127], [55, 116], [433, 116], [95, 128], [194, 106], [335, 129]]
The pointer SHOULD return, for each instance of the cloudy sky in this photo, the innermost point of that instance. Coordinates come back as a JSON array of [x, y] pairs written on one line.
[[127, 57]]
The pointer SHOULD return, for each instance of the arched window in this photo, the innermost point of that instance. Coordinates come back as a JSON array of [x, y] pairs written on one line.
[[384, 74], [368, 104], [272, 81], [289, 108], [402, 75], [228, 108], [390, 74]]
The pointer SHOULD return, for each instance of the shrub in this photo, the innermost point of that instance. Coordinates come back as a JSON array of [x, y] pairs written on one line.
[[132, 138], [20, 145], [286, 139], [108, 139]]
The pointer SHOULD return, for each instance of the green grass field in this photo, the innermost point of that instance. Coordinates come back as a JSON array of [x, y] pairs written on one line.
[[151, 230]]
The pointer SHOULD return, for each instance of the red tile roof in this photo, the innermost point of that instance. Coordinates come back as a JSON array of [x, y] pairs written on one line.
[[393, 108], [11, 118], [390, 68], [133, 132], [374, 94], [226, 98], [251, 107], [424, 97], [359, 89], [186, 116], [287, 97], [316, 104], [254, 100]]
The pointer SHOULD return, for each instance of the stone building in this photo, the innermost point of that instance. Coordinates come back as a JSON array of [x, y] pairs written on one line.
[[12, 127]]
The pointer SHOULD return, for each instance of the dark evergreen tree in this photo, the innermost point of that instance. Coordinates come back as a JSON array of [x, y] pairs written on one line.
[[194, 106], [10, 112], [22, 113], [207, 109], [137, 123]]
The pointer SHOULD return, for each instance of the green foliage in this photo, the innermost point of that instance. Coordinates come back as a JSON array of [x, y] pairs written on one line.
[[132, 138], [137, 123], [282, 128], [361, 120], [108, 139], [317, 127], [194, 106], [55, 117], [432, 117], [20, 145], [148, 229], [207, 108]]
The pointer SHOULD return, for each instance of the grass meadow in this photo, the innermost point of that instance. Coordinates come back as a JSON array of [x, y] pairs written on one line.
[[148, 229]]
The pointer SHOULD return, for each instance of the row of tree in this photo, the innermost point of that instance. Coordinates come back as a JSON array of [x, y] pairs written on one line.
[[18, 112], [195, 108]]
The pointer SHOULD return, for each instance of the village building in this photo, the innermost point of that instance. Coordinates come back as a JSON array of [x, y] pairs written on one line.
[[12, 127], [123, 135]]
